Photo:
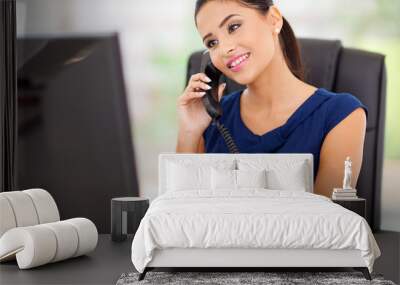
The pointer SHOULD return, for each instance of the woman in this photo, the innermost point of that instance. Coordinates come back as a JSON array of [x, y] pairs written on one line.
[[251, 43]]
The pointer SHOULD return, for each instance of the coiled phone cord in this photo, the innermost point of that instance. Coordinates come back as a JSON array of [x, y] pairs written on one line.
[[227, 136]]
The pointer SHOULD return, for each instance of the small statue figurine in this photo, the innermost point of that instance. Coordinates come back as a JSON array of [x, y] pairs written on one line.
[[347, 174]]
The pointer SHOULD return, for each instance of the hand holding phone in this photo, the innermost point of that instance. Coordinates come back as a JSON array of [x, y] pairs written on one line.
[[192, 115], [211, 100], [199, 105]]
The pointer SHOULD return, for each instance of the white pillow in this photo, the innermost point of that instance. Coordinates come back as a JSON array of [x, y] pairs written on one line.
[[193, 174], [292, 179], [223, 179], [281, 174], [183, 177], [228, 179], [251, 178]]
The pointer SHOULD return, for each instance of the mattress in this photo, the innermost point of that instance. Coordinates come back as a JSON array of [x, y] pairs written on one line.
[[250, 218]]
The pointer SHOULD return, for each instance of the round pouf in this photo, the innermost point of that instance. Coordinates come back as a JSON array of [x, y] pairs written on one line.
[[119, 215]]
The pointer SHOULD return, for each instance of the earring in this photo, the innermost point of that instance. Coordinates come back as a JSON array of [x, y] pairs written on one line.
[[277, 30]]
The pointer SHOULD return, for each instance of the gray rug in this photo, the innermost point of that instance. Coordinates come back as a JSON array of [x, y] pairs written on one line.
[[225, 278]]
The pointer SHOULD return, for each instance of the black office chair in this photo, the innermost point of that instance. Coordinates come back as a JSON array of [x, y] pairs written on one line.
[[330, 65]]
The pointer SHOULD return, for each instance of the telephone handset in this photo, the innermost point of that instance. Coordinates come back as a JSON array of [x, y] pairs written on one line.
[[210, 99]]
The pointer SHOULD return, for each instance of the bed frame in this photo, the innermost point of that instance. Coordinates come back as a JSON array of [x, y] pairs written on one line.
[[240, 259]]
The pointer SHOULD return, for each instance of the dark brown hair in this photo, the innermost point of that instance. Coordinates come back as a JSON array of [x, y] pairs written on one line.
[[287, 39]]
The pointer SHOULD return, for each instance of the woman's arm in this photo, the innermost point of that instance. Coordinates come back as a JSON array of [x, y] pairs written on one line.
[[190, 143], [345, 139]]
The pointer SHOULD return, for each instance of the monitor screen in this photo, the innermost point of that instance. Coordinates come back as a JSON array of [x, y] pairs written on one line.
[[74, 133]]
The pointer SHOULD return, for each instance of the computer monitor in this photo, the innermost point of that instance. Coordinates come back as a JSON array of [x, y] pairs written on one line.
[[74, 133]]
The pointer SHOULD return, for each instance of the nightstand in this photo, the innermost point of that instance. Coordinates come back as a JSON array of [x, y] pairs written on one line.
[[119, 215], [357, 205]]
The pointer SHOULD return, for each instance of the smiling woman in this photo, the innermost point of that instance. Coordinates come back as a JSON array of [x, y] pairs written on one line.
[[251, 43], [287, 39]]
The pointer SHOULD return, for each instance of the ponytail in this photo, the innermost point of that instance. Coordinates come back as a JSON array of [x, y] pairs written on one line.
[[291, 50]]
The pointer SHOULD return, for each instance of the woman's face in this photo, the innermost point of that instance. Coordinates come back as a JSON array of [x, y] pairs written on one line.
[[247, 38]]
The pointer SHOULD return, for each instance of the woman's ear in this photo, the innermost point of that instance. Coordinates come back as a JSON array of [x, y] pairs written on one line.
[[275, 18]]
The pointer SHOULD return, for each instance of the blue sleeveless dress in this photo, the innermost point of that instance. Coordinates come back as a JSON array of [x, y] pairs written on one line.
[[303, 132]]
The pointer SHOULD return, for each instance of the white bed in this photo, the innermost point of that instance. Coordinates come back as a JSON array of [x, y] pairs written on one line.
[[200, 220]]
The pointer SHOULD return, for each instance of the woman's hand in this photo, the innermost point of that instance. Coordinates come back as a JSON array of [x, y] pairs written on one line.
[[192, 115]]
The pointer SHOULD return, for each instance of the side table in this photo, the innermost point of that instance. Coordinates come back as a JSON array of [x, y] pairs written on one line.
[[119, 215], [357, 205]]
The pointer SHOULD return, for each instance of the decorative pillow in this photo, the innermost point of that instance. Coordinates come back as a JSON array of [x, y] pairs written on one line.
[[292, 179], [251, 178], [223, 179]]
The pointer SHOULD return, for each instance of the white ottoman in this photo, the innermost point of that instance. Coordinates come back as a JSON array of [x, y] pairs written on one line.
[[31, 230]]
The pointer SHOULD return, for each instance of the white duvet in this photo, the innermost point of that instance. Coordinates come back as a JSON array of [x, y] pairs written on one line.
[[251, 218]]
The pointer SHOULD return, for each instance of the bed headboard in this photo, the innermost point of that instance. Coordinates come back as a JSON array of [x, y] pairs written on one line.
[[163, 159]]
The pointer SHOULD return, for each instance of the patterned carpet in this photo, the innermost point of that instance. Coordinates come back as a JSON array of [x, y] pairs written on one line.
[[225, 278]]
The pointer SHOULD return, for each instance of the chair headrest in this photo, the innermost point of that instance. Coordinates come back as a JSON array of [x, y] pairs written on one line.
[[320, 59]]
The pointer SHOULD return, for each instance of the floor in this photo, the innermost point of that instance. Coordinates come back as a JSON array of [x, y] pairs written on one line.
[[111, 259], [102, 266]]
